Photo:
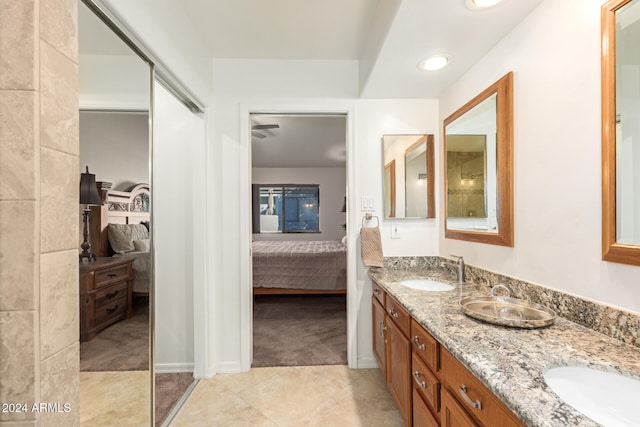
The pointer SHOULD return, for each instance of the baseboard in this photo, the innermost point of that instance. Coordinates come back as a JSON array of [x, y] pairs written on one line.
[[229, 368], [169, 368], [367, 363]]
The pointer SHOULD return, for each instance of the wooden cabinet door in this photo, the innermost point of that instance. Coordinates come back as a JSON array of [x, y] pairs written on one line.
[[378, 334], [399, 369], [422, 417], [452, 414]]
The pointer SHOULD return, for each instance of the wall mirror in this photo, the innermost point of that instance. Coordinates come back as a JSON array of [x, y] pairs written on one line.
[[478, 161], [408, 176], [621, 131]]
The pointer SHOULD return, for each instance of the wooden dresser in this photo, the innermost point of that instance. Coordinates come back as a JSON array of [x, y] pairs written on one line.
[[105, 294]]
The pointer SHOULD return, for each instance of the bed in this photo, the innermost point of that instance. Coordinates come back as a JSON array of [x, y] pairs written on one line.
[[120, 228], [299, 267]]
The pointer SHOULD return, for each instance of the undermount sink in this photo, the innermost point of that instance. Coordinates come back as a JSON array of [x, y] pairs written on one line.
[[610, 399], [426, 285]]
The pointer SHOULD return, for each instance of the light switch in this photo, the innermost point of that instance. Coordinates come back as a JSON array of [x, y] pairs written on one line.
[[368, 204], [395, 233]]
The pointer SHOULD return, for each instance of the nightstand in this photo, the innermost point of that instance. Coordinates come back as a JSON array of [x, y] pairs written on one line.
[[105, 294]]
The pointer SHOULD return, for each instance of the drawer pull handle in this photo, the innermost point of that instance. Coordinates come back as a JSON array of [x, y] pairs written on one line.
[[376, 291], [112, 295], [463, 392], [416, 341], [112, 310], [416, 378], [393, 313], [112, 274]]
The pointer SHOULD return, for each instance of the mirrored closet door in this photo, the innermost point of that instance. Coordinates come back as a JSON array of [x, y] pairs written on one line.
[[115, 287]]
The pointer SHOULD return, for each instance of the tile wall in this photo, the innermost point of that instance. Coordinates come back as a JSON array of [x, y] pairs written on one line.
[[39, 175]]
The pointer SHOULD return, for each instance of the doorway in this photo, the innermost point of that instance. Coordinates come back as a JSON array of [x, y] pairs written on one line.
[[298, 228]]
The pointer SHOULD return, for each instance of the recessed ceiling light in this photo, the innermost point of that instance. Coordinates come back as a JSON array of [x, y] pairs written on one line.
[[481, 4], [434, 63]]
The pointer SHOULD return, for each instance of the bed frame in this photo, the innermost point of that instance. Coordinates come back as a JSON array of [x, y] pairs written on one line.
[[118, 207]]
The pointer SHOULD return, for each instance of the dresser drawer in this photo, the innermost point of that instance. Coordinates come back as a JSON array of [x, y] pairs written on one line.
[[378, 293], [108, 312], [425, 345], [111, 275], [425, 382], [473, 396], [106, 295], [399, 315]]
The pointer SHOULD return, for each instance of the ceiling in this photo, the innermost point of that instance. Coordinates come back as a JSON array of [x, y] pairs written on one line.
[[301, 141], [392, 34], [387, 37]]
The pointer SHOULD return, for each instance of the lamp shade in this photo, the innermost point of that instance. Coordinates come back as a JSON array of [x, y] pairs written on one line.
[[88, 190]]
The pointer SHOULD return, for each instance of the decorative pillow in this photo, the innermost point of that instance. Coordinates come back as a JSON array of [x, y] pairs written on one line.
[[121, 236], [141, 245]]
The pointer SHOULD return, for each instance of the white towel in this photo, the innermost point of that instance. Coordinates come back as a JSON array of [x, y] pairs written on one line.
[[371, 246]]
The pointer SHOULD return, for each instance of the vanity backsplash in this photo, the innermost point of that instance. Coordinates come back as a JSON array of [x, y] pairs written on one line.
[[613, 322]]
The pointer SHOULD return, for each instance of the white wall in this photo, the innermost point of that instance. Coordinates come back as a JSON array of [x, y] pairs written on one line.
[[333, 184], [555, 56], [115, 146], [166, 30], [241, 87], [118, 82]]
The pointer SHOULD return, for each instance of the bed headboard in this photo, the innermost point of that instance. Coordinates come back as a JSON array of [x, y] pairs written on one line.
[[119, 207]]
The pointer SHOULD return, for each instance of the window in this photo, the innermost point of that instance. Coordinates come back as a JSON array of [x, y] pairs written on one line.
[[281, 208]]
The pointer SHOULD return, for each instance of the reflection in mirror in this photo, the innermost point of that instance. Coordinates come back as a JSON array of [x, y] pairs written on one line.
[[114, 117], [408, 183], [479, 168], [466, 174], [620, 131], [390, 189]]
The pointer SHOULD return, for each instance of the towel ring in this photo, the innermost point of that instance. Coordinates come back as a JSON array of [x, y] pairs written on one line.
[[369, 217]]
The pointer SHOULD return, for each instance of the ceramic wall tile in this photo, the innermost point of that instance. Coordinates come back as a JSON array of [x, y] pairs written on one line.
[[59, 304], [18, 364], [58, 101], [59, 25], [59, 387], [60, 181], [19, 255], [19, 44], [19, 153]]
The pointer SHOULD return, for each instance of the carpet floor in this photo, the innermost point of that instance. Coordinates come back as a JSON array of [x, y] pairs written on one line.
[[169, 389], [299, 330], [123, 346]]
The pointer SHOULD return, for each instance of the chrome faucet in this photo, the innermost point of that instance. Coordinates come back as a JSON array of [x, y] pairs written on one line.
[[459, 262]]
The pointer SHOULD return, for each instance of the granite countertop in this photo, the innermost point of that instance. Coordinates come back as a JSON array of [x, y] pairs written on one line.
[[510, 361]]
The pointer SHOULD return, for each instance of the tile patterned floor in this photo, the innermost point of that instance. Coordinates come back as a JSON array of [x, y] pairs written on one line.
[[322, 396], [114, 399]]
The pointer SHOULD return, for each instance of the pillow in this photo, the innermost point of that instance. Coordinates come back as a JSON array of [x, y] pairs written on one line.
[[121, 236], [141, 245]]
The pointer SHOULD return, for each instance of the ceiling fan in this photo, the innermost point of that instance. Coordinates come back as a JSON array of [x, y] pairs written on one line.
[[254, 128]]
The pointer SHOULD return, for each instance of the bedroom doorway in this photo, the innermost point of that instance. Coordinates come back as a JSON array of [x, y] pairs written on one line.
[[298, 224]]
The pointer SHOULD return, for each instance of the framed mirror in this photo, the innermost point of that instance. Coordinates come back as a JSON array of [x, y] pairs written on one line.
[[620, 132], [478, 163], [408, 176]]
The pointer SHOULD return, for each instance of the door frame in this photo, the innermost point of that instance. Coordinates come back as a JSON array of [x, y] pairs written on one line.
[[246, 289]]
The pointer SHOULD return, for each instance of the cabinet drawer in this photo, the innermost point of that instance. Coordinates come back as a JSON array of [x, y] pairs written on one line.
[[421, 415], [110, 275], [425, 382], [107, 294], [425, 345], [399, 316], [378, 293], [110, 311], [453, 415], [474, 397]]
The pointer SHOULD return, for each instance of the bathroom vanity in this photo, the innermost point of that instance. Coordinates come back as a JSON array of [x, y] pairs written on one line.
[[444, 368]]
